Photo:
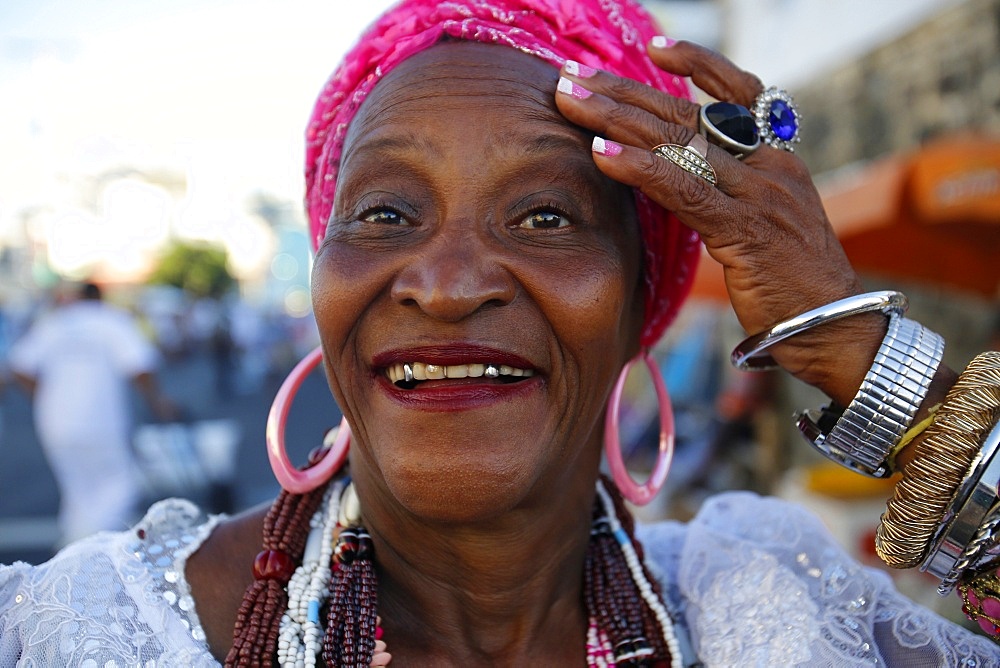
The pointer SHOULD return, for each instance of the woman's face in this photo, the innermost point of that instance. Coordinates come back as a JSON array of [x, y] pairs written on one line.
[[471, 231]]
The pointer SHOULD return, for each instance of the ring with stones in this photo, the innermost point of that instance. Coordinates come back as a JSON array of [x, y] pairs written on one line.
[[690, 158], [777, 118], [730, 126]]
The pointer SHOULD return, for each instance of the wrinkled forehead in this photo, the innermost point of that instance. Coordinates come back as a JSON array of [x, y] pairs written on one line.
[[470, 77]]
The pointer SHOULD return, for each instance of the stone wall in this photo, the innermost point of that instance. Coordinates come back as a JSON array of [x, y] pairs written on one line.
[[940, 77]]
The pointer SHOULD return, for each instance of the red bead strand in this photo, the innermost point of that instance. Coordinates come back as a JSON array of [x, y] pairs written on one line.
[[286, 528]]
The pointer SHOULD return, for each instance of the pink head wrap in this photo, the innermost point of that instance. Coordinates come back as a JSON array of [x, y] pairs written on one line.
[[606, 34]]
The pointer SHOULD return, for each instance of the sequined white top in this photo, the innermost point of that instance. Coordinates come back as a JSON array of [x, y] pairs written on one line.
[[755, 581]]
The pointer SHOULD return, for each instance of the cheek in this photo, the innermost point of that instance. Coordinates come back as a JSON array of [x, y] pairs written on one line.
[[591, 309], [343, 285]]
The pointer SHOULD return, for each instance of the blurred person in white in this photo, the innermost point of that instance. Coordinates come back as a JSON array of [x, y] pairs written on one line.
[[77, 362]]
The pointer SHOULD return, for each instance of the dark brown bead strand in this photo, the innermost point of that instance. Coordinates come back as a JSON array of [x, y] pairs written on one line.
[[625, 518], [349, 641], [612, 597], [286, 528]]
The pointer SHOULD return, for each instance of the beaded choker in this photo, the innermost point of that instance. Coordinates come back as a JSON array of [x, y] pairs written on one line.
[[628, 623]]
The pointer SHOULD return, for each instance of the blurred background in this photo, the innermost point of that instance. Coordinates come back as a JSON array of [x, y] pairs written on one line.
[[156, 148]]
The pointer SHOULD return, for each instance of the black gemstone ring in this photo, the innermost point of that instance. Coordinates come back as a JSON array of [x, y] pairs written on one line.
[[730, 126]]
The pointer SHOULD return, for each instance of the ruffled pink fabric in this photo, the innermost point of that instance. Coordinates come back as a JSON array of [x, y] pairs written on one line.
[[606, 34]]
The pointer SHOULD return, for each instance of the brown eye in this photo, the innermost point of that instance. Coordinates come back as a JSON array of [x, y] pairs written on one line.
[[384, 217], [544, 220]]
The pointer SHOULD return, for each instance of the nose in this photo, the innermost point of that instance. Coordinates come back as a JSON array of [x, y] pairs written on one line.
[[452, 277]]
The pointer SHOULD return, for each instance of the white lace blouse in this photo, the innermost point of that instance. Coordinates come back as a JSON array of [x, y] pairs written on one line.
[[752, 582]]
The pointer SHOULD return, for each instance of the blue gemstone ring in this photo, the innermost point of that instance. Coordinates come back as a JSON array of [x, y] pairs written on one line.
[[777, 119], [730, 126]]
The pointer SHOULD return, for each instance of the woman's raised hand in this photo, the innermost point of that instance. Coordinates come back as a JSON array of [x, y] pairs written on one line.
[[762, 220]]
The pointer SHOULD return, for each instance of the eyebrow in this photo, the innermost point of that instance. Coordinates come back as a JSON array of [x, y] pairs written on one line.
[[519, 152], [551, 142], [419, 143], [407, 143]]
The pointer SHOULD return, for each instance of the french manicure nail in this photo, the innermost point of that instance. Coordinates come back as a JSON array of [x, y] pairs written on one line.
[[579, 69], [606, 147], [659, 42], [568, 87]]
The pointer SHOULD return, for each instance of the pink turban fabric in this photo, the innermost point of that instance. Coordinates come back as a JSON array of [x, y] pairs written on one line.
[[607, 34]]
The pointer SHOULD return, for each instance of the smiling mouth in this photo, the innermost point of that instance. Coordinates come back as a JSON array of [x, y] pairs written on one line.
[[410, 374]]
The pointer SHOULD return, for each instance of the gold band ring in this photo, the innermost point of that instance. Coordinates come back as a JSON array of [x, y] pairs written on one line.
[[690, 158]]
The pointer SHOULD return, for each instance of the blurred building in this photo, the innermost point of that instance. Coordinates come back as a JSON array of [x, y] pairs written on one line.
[[938, 77], [901, 128]]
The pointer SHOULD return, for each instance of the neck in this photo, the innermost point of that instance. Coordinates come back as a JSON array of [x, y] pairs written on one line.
[[507, 591]]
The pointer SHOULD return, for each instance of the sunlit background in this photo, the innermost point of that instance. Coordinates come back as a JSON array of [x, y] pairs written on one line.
[[125, 124], [129, 126]]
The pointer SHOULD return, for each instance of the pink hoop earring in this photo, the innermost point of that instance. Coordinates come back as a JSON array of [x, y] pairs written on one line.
[[630, 489], [290, 478]]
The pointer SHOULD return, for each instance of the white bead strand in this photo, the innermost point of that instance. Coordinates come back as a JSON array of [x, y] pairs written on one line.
[[301, 633], [639, 577]]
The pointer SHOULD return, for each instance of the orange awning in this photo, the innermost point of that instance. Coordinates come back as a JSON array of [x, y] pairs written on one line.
[[931, 216]]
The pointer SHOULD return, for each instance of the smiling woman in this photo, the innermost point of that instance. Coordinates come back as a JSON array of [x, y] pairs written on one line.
[[430, 254], [488, 185]]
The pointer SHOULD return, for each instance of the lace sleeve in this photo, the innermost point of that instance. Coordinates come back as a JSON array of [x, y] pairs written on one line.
[[760, 581], [114, 599]]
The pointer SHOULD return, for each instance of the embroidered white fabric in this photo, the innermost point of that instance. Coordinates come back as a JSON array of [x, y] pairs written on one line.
[[754, 581], [111, 600], [761, 582]]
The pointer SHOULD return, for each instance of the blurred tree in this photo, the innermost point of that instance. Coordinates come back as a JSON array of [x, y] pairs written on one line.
[[199, 269]]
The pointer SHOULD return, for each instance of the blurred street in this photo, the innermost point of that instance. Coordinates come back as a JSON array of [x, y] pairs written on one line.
[[28, 494]]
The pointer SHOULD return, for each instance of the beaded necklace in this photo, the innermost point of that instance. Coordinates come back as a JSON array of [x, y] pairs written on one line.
[[300, 634], [628, 623]]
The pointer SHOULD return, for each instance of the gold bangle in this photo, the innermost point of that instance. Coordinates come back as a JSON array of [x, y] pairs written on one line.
[[941, 461], [911, 434]]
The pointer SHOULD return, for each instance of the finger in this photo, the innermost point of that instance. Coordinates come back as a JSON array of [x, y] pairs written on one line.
[[610, 118], [765, 255], [632, 126], [696, 202], [631, 92], [709, 70]]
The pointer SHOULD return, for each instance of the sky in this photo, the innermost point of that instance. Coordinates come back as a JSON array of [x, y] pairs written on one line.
[[788, 42], [219, 91]]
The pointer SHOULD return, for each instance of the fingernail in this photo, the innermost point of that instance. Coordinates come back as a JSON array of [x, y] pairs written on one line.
[[568, 87], [606, 147], [659, 42], [579, 69]]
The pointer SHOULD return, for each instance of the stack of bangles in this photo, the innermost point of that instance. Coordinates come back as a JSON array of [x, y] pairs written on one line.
[[945, 512]]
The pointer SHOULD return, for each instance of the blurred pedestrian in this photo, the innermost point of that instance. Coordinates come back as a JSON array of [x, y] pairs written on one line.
[[223, 349], [76, 363]]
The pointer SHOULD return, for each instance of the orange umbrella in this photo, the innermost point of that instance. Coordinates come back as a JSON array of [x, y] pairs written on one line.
[[709, 283], [929, 216]]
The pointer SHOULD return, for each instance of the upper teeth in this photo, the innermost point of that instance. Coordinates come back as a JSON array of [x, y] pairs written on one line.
[[423, 371]]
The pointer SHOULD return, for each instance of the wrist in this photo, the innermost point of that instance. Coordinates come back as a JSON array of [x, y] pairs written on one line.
[[943, 381], [836, 357]]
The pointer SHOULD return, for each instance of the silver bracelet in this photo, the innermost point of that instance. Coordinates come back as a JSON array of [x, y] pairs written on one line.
[[749, 355], [954, 542], [886, 403], [976, 552]]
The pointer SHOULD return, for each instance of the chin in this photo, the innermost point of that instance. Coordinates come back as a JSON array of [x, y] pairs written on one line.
[[464, 495]]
